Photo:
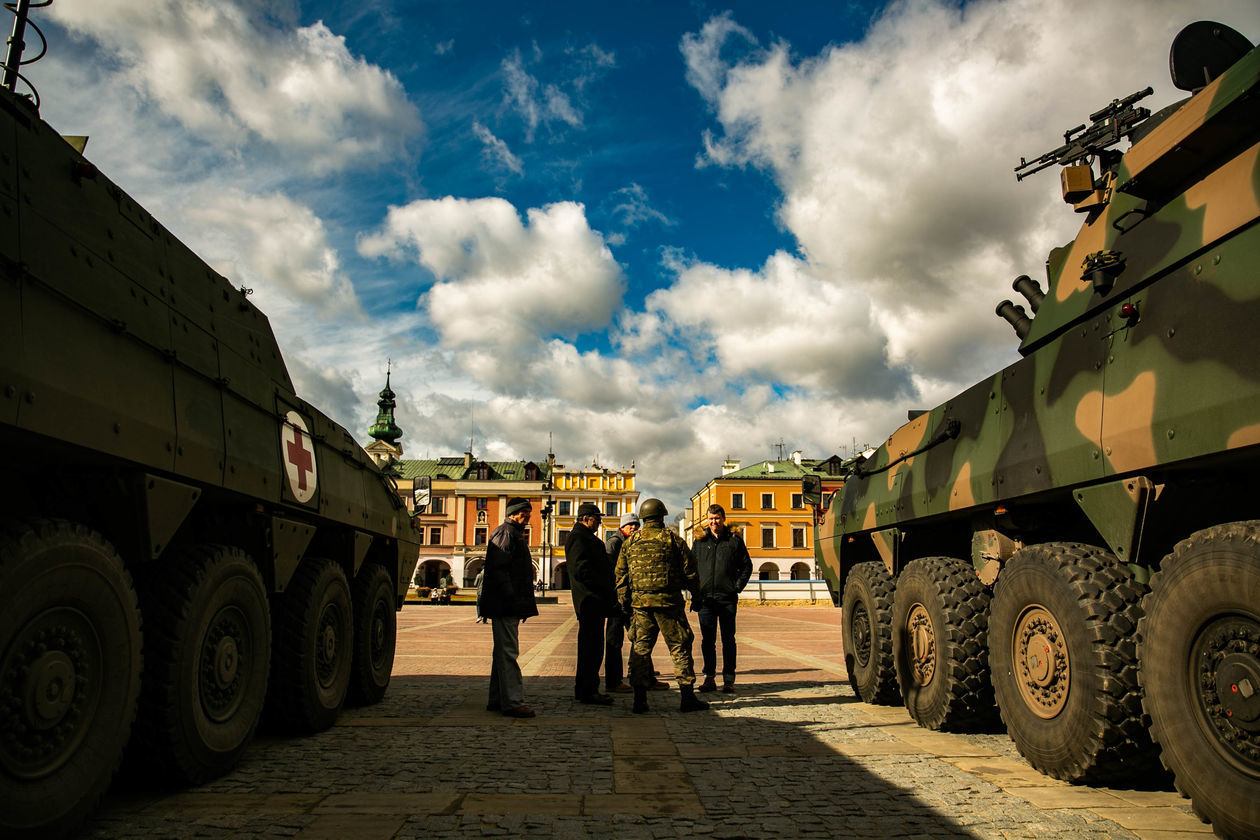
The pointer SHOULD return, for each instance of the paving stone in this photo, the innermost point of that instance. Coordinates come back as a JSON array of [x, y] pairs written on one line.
[[790, 754]]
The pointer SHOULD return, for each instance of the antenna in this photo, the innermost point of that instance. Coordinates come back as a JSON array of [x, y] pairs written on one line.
[[472, 427], [13, 55]]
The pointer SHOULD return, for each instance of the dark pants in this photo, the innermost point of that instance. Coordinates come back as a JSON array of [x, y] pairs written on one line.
[[712, 615], [614, 638], [590, 655]]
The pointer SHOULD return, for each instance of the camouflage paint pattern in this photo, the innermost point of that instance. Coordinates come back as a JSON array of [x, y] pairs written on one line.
[[672, 624], [1155, 375]]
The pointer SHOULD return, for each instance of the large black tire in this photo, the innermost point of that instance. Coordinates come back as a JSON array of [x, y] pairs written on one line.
[[940, 626], [70, 661], [1200, 654], [209, 653], [375, 635], [1062, 632], [313, 649], [866, 630]]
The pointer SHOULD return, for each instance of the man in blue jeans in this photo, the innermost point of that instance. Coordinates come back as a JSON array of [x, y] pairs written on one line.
[[724, 568]]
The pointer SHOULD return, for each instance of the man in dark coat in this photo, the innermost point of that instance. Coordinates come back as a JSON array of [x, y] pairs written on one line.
[[594, 600], [724, 567], [507, 599]]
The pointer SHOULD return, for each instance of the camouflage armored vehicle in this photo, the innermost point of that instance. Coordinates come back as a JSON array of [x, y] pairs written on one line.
[[180, 533], [1076, 540]]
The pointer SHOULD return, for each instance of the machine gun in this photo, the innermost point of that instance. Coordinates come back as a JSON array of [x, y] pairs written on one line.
[[1106, 128]]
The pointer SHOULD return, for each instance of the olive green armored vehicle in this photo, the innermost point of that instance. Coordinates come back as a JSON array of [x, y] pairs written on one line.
[[184, 542], [1075, 541]]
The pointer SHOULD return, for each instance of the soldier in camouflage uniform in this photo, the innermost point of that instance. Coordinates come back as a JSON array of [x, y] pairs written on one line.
[[652, 570]]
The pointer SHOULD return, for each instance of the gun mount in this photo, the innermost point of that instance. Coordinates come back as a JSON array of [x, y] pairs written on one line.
[[1106, 128]]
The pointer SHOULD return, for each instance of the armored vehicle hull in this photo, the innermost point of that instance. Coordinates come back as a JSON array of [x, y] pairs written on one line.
[[1074, 543], [182, 534]]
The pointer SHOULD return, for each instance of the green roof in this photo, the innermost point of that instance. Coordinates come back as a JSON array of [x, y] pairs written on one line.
[[779, 469], [453, 468]]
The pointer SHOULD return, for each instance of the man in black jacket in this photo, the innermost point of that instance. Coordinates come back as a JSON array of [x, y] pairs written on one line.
[[724, 566], [507, 599], [594, 600]]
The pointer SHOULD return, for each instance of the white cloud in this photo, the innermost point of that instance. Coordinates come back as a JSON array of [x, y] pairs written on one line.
[[547, 103], [276, 246], [230, 75], [894, 155], [503, 283], [634, 208], [496, 151]]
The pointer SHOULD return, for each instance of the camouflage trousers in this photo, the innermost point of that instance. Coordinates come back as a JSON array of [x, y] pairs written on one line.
[[671, 623]]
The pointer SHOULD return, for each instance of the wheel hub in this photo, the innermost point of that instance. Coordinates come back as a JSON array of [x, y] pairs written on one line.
[[922, 644], [326, 646], [861, 635], [1226, 662], [49, 688], [1042, 668], [225, 647]]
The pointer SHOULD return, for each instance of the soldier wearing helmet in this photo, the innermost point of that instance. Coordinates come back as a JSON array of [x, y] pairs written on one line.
[[652, 570]]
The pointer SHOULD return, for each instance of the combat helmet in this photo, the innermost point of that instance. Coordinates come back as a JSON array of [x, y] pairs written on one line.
[[652, 509]]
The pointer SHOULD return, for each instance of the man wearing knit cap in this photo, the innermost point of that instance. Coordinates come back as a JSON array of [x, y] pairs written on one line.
[[594, 600], [507, 599]]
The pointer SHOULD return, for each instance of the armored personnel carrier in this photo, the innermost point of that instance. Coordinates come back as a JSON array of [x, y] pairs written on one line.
[[180, 533], [1076, 540]]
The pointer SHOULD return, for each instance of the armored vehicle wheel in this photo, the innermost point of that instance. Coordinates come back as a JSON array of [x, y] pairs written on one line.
[[375, 633], [69, 673], [1200, 657], [314, 632], [866, 628], [1062, 634], [208, 646], [940, 644]]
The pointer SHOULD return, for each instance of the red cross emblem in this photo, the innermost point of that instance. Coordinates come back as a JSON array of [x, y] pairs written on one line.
[[299, 456]]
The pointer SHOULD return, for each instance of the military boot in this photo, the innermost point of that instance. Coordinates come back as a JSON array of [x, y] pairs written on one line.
[[691, 703], [640, 700]]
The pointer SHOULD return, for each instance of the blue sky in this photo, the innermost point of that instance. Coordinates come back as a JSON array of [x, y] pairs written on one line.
[[648, 232]]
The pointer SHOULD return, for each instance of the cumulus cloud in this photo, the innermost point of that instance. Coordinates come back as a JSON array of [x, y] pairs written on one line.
[[893, 155], [276, 246], [229, 74], [501, 282]]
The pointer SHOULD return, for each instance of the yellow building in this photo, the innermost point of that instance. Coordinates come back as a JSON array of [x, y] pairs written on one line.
[[611, 490], [763, 502]]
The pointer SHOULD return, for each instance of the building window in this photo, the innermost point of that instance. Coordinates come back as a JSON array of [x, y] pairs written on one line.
[[563, 507], [610, 508], [435, 504], [737, 501], [483, 473], [481, 517], [767, 538], [562, 536], [483, 504], [479, 536], [798, 501], [767, 501], [798, 538], [435, 536], [833, 468], [531, 472]]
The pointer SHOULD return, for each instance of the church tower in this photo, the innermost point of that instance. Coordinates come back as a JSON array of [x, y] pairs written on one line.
[[385, 448]]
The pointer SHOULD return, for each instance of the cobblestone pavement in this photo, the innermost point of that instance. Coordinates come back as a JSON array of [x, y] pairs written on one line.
[[791, 753]]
